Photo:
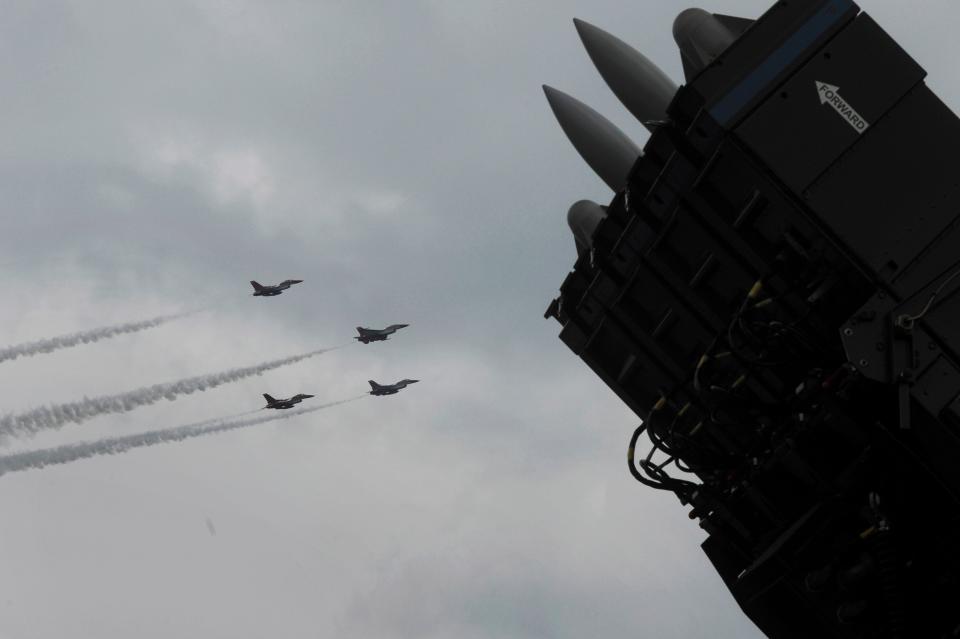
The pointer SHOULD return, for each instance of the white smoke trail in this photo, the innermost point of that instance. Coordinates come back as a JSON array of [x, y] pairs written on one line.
[[28, 349], [225, 418], [116, 445], [53, 417]]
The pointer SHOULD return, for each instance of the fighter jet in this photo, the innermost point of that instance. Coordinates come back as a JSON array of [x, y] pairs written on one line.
[[390, 389], [368, 335], [269, 291], [280, 404]]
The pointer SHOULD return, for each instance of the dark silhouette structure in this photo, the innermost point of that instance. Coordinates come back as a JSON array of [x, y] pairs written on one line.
[[773, 291]]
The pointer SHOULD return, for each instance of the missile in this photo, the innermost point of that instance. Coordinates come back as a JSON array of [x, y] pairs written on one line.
[[583, 218], [609, 152], [702, 37], [637, 82]]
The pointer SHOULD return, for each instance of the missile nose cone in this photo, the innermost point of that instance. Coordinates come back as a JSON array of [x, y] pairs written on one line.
[[687, 20], [609, 152], [583, 218], [702, 37], [637, 82]]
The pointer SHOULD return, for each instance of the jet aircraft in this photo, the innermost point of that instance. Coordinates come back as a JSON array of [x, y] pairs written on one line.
[[390, 389], [280, 404], [368, 335], [269, 291]]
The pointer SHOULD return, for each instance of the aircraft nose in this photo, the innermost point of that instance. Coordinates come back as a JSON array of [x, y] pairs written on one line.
[[308, 396], [413, 381]]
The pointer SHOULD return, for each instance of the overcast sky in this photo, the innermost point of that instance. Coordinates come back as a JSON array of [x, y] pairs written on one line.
[[400, 158]]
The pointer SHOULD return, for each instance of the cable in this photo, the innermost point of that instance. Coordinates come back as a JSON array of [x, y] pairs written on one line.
[[632, 465], [658, 478], [906, 322]]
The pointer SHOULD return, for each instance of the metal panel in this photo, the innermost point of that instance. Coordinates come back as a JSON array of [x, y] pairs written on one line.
[[776, 44], [830, 103], [898, 189]]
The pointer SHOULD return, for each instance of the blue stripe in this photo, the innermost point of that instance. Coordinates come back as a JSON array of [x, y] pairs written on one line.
[[730, 104]]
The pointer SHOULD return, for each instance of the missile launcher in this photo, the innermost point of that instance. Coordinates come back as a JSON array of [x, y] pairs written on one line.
[[773, 291]]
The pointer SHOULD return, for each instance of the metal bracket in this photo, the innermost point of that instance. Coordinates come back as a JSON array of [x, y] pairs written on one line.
[[885, 348], [866, 341]]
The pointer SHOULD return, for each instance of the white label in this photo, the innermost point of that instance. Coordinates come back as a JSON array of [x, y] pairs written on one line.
[[830, 94]]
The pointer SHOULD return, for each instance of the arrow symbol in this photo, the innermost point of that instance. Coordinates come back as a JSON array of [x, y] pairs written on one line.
[[830, 94]]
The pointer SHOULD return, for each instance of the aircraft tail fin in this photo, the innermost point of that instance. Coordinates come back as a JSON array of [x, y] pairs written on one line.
[[256, 286], [269, 399], [373, 384]]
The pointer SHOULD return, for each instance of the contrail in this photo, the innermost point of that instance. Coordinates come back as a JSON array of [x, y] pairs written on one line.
[[53, 417], [225, 418], [28, 349], [116, 445]]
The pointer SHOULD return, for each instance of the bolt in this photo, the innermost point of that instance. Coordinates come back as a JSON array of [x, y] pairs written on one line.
[[864, 363], [848, 331]]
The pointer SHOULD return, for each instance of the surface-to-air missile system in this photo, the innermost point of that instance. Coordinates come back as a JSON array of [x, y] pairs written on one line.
[[773, 291]]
